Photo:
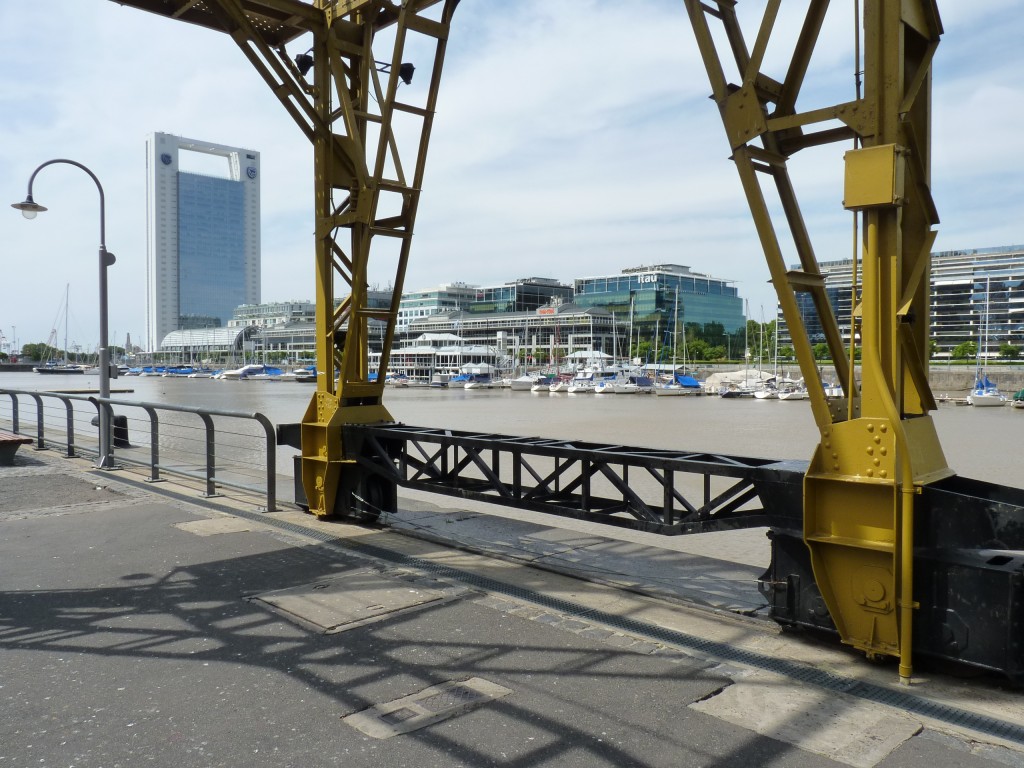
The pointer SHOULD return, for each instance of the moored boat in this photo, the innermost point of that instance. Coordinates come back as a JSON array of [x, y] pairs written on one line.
[[60, 368], [478, 381], [527, 381], [793, 393], [985, 393]]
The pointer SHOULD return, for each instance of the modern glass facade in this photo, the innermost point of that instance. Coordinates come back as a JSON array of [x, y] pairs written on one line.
[[202, 235], [648, 296], [211, 248], [520, 296]]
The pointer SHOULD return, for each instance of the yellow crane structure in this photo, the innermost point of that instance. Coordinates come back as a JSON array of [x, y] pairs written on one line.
[[878, 449], [343, 93], [878, 444]]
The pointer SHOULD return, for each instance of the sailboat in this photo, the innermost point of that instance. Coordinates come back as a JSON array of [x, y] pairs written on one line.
[[985, 393], [64, 367], [767, 390], [672, 388]]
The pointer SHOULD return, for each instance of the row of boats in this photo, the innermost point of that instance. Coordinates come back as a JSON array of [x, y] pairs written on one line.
[[244, 373], [609, 382]]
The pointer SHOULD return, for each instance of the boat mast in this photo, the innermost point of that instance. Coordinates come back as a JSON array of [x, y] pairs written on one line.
[[982, 339], [629, 344], [67, 296], [675, 334]]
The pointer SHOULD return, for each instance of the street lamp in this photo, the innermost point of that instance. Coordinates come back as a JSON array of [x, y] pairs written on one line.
[[29, 209]]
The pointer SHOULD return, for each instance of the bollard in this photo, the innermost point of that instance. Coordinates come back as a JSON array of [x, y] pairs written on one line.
[[120, 429]]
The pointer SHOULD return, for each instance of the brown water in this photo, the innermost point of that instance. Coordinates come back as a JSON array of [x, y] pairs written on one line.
[[981, 443]]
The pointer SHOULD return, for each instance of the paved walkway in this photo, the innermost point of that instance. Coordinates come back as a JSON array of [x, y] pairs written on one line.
[[141, 625]]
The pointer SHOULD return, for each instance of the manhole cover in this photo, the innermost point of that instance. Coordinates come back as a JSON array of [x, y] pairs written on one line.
[[431, 705], [348, 600]]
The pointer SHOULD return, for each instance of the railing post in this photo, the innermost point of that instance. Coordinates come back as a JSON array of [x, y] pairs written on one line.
[[154, 445], [271, 461], [14, 412], [211, 450], [71, 427], [99, 423], [40, 442]]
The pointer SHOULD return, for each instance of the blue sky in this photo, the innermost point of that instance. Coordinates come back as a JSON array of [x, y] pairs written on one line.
[[572, 139]]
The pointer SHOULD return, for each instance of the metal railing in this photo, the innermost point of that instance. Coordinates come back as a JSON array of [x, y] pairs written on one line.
[[230, 457]]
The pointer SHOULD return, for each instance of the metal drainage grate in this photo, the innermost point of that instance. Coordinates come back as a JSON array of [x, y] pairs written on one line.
[[456, 696], [398, 716]]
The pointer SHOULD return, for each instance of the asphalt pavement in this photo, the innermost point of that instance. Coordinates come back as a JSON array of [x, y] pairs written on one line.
[[145, 625]]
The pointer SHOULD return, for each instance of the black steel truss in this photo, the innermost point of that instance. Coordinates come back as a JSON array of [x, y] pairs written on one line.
[[671, 491]]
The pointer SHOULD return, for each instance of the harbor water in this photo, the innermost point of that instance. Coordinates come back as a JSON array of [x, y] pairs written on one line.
[[981, 443]]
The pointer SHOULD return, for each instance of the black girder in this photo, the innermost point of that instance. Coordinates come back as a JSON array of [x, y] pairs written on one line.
[[686, 492]]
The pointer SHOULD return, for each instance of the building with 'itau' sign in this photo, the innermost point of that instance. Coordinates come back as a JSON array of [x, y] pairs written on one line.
[[658, 297], [202, 235]]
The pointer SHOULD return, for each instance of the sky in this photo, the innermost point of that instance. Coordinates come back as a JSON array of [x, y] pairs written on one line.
[[573, 138]]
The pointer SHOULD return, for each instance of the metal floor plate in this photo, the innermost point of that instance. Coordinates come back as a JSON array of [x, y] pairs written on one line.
[[431, 705], [348, 600]]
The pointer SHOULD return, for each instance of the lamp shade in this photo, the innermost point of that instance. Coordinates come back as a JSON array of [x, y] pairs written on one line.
[[29, 208]]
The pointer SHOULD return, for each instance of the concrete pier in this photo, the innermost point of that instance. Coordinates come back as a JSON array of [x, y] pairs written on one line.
[[143, 625]]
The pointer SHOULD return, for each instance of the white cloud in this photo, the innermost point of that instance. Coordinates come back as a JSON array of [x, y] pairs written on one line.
[[571, 139]]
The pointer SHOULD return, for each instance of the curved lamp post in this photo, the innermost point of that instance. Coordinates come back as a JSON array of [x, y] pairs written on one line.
[[29, 208]]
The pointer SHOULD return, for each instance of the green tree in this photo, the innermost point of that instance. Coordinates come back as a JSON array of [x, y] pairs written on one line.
[[821, 351], [39, 352], [698, 349], [1008, 351], [716, 352], [964, 350], [786, 352]]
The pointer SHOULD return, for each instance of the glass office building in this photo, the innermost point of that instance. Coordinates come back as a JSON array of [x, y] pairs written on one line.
[[524, 295], [648, 295], [203, 236]]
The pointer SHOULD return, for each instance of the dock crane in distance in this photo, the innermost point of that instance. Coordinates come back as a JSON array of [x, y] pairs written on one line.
[[876, 538]]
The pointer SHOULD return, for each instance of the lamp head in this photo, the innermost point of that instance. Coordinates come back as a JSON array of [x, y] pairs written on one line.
[[29, 208], [304, 63], [405, 71]]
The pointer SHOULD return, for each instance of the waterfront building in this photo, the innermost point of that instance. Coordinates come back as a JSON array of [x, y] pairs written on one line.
[[447, 297], [273, 313], [646, 295], [544, 336], [523, 295], [202, 236], [421, 357], [209, 346], [287, 329], [966, 285]]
